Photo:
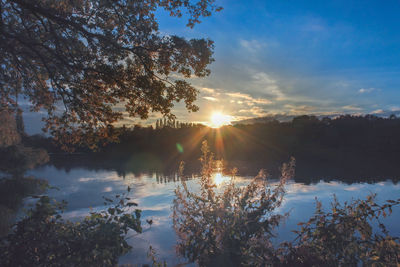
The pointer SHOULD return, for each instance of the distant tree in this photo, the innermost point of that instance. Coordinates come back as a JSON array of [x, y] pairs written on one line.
[[20, 122], [123, 129], [8, 129], [77, 60]]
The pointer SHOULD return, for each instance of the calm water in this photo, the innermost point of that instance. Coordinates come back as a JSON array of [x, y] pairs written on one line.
[[84, 188]]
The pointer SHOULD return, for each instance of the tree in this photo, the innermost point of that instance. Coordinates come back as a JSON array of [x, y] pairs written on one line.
[[8, 130], [89, 62]]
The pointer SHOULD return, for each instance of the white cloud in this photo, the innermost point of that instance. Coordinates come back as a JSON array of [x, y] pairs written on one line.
[[262, 101], [366, 90], [210, 98], [378, 111], [255, 111], [240, 95], [251, 45], [300, 109], [268, 85], [250, 100], [351, 107], [208, 90]]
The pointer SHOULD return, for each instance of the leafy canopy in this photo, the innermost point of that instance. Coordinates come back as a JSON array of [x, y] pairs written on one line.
[[89, 62]]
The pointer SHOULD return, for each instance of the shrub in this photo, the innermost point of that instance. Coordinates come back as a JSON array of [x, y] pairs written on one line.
[[43, 238], [344, 237], [232, 227]]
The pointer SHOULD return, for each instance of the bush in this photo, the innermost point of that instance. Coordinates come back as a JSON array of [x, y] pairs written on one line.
[[233, 226], [12, 192], [43, 238], [344, 237]]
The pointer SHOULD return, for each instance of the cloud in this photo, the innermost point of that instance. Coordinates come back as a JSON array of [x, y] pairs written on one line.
[[366, 90], [378, 111], [252, 46], [301, 109], [207, 90], [254, 111], [351, 107], [240, 95], [210, 98], [354, 188], [249, 99], [262, 101], [268, 85], [313, 24]]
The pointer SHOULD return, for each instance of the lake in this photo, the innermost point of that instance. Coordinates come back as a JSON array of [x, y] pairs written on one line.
[[83, 189]]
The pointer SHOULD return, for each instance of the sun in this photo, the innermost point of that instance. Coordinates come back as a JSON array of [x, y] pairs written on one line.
[[218, 119]]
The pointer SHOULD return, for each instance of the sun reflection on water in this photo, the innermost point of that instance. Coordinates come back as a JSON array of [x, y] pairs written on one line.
[[219, 178]]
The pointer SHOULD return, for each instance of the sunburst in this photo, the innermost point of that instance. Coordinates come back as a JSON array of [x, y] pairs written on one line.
[[218, 119]]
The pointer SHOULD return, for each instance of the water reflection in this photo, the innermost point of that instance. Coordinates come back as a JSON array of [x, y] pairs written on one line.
[[154, 192], [12, 192], [219, 178]]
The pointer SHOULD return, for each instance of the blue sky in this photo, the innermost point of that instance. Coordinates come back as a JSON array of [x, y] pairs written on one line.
[[298, 57]]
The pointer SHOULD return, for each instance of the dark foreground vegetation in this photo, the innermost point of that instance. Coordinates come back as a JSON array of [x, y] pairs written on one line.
[[348, 148]]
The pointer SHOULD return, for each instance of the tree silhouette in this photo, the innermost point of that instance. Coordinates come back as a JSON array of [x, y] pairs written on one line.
[[78, 60]]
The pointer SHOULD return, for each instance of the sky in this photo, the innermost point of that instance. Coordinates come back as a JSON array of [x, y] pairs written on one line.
[[293, 57], [297, 57]]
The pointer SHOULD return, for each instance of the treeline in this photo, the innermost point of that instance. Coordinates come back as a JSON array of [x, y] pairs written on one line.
[[339, 143], [172, 123]]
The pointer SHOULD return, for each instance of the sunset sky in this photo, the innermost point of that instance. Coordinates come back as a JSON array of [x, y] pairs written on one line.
[[295, 57], [298, 57]]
